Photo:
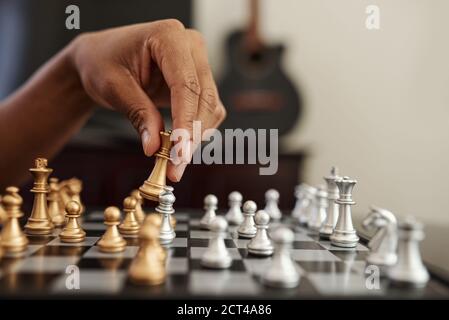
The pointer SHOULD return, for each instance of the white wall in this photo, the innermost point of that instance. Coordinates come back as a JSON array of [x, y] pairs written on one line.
[[377, 101]]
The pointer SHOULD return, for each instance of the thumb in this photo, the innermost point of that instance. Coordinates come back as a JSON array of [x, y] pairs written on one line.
[[141, 112]]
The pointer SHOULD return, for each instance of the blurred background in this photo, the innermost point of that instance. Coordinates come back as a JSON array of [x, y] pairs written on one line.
[[372, 102]]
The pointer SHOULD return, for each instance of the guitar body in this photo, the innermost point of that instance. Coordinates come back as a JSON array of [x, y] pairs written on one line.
[[255, 90]]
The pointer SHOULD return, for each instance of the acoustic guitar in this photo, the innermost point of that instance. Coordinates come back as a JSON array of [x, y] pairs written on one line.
[[255, 90]]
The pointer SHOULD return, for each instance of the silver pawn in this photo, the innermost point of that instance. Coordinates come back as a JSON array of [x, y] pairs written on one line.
[[344, 234], [319, 216], [301, 201], [271, 204], [308, 205], [282, 272], [409, 269], [165, 208], [248, 229], [217, 255], [210, 206], [384, 243], [332, 207], [261, 244], [235, 215]]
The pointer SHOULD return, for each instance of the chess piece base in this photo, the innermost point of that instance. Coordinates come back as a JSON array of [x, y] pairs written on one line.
[[246, 235], [326, 231], [129, 230], [214, 262], [261, 252], [15, 246], [112, 247], [151, 191], [38, 227], [70, 237], [277, 282], [344, 239]]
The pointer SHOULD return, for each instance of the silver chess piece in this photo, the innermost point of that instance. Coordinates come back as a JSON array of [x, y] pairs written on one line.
[[282, 272], [344, 234], [210, 206], [409, 269], [384, 243], [165, 208], [217, 255], [248, 229], [332, 206], [317, 220], [307, 204], [261, 244], [235, 215], [271, 204]]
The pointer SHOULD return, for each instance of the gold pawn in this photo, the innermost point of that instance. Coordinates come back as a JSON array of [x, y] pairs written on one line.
[[39, 222], [112, 241], [72, 232], [148, 268], [130, 225], [140, 214], [153, 219], [157, 180], [13, 239], [53, 203]]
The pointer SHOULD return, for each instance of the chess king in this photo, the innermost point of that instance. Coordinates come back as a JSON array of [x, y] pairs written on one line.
[[155, 184]]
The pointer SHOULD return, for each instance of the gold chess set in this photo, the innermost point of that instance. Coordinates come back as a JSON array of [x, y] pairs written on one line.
[[58, 209]]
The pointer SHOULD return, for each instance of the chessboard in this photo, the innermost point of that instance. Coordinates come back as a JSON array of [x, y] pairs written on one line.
[[46, 268]]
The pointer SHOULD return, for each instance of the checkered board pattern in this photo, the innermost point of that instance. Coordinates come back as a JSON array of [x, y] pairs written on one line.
[[326, 271]]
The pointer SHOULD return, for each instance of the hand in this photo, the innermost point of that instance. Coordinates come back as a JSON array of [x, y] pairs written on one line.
[[138, 68]]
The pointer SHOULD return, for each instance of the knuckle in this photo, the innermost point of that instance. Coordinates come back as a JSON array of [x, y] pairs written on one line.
[[192, 84], [172, 25], [197, 37], [136, 116], [209, 99], [220, 114]]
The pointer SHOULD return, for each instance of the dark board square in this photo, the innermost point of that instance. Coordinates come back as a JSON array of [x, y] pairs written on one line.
[[350, 255], [60, 251], [181, 234], [40, 239], [310, 245], [197, 242], [178, 252], [104, 263], [94, 233], [26, 284]]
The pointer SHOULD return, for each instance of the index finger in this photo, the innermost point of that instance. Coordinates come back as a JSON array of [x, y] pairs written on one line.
[[170, 49]]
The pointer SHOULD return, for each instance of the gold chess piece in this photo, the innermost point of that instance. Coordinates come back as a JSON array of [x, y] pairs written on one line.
[[148, 268], [155, 184], [72, 232], [53, 204], [13, 239], [70, 190], [130, 225], [155, 220], [39, 222], [112, 241], [140, 214], [2, 212]]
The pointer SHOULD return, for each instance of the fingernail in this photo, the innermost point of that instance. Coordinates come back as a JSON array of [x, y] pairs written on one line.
[[179, 171], [145, 141]]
